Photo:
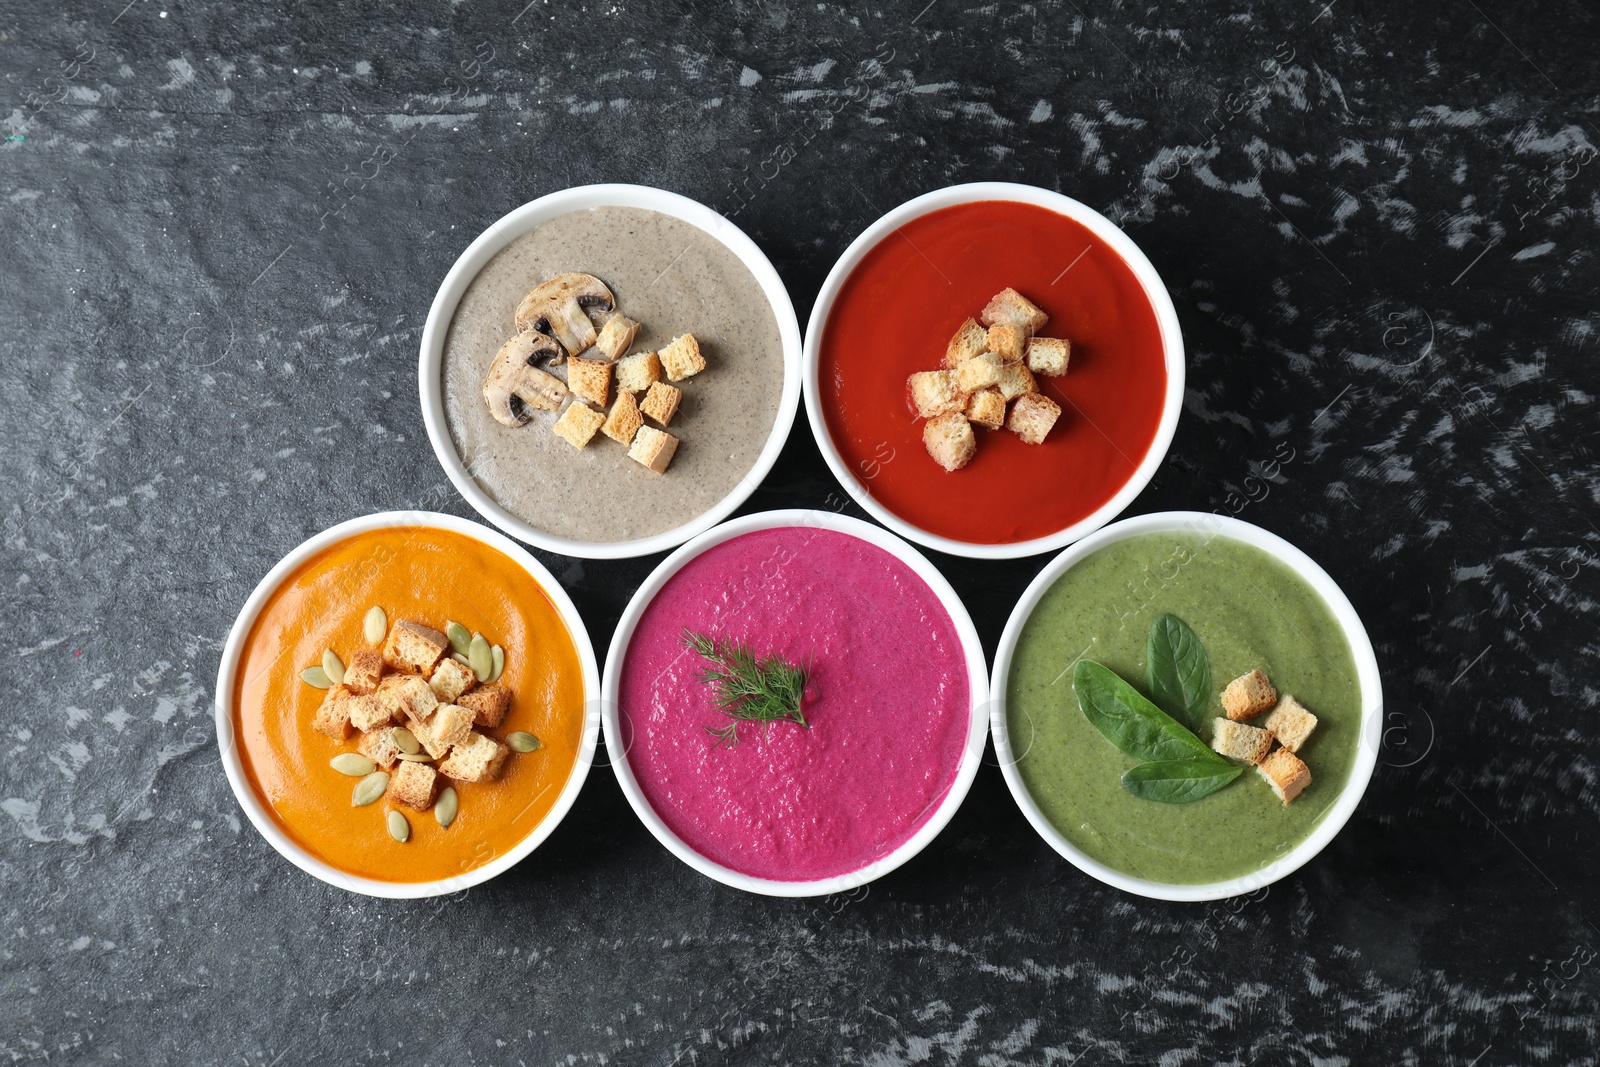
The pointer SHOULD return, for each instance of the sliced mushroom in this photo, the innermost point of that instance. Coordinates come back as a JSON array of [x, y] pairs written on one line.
[[514, 384], [560, 308]]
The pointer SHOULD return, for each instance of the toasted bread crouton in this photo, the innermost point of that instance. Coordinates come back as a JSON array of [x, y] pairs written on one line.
[[682, 359], [413, 784], [379, 747], [934, 393], [488, 704], [1290, 723], [1048, 355], [615, 336], [589, 379], [1007, 342], [653, 448], [1010, 308], [414, 647], [638, 372], [367, 712], [970, 339], [1248, 696], [578, 424], [1032, 415], [364, 670], [1016, 380], [979, 372], [987, 408], [661, 402], [1286, 773], [477, 759], [450, 725], [450, 679], [1240, 741], [333, 714], [406, 698], [950, 441], [624, 420]]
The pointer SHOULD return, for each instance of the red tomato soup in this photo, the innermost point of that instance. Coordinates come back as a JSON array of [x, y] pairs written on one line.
[[897, 311]]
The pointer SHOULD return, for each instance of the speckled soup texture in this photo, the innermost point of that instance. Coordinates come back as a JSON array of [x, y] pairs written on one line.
[[671, 277]]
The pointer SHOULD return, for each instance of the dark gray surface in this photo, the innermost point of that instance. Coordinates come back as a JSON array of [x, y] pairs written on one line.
[[223, 228]]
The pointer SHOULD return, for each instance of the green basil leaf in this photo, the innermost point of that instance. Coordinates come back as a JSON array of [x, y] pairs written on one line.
[[1179, 781], [1131, 722], [1180, 673]]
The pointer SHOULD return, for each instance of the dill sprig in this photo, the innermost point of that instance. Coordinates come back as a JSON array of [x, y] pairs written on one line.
[[748, 688]]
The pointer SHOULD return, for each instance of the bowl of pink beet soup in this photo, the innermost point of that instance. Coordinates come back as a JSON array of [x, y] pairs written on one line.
[[895, 704]]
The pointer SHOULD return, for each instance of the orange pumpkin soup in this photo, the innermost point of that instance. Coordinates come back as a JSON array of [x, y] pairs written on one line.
[[412, 573]]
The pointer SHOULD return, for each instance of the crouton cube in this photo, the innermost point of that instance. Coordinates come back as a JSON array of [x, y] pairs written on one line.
[[364, 670], [414, 647], [1290, 723], [407, 699], [1240, 741], [1032, 415], [477, 759], [616, 335], [450, 725], [413, 784], [654, 448], [1286, 773], [1007, 342], [934, 393], [979, 372], [1016, 380], [333, 714], [379, 747], [367, 712], [624, 420], [950, 441], [1248, 696], [638, 372], [969, 340], [1048, 355], [1010, 308], [578, 424], [589, 379], [661, 402], [488, 704], [682, 359], [987, 409], [450, 679]]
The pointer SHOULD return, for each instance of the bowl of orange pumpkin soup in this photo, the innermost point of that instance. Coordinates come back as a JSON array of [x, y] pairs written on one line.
[[328, 779], [1106, 397]]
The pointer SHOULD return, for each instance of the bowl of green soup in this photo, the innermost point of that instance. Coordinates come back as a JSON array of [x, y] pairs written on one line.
[[1186, 706]]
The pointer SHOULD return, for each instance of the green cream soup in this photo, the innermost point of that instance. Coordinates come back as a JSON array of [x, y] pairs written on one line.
[[1249, 610]]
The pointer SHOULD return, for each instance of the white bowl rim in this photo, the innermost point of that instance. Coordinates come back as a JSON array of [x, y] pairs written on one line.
[[1366, 671], [233, 651], [519, 221], [977, 674], [1103, 228]]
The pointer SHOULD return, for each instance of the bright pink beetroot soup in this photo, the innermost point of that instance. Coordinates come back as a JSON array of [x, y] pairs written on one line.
[[888, 705]]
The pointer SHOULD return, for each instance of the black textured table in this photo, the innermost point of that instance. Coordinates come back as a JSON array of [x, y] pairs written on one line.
[[224, 225]]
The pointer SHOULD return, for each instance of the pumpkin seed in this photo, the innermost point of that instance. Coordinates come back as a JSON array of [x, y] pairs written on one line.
[[353, 763], [499, 663], [405, 740], [333, 666], [523, 742], [369, 789], [459, 658], [316, 676], [375, 625], [444, 809], [399, 829], [480, 657], [415, 757], [460, 637]]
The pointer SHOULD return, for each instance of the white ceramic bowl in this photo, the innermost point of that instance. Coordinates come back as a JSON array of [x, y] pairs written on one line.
[[514, 225], [1101, 227], [1366, 673], [233, 651], [977, 678]]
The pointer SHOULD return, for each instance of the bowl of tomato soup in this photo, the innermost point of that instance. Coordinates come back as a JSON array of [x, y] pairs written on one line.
[[890, 307], [882, 745], [422, 570]]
